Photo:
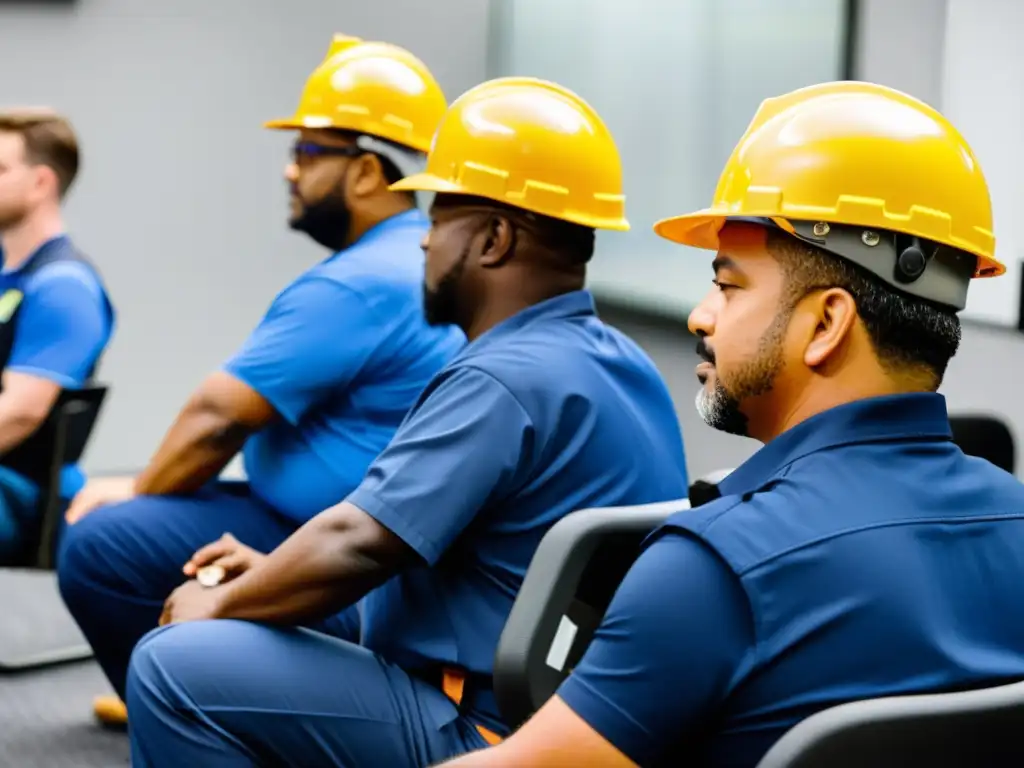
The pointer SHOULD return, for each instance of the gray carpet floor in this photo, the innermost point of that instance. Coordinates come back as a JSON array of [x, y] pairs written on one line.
[[46, 720], [46, 714]]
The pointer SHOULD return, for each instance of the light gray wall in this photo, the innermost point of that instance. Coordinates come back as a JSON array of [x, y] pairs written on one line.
[[899, 43], [181, 201], [182, 205]]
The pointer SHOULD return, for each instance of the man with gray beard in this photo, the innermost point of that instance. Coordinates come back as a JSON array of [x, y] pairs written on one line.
[[860, 553]]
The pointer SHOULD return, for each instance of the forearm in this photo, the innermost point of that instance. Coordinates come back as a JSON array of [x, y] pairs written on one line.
[[495, 757], [16, 425], [195, 450], [327, 565]]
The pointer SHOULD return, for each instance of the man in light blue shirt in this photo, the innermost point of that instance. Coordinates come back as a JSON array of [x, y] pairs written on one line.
[[55, 317], [314, 394], [546, 411]]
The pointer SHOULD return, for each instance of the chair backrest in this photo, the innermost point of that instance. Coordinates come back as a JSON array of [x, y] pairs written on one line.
[[966, 729], [69, 428], [78, 410], [705, 489], [987, 437], [568, 586], [571, 580], [61, 436]]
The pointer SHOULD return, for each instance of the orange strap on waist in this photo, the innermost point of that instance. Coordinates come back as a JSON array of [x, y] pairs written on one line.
[[453, 683]]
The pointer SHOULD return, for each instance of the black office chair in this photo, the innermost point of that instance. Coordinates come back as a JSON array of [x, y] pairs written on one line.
[[971, 729], [987, 437], [60, 441], [35, 629], [571, 580]]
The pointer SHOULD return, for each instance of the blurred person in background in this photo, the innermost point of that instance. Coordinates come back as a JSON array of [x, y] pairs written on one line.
[[860, 553], [317, 390], [55, 317], [547, 411]]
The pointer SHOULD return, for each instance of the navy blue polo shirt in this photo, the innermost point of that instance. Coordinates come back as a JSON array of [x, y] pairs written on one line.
[[549, 412], [860, 554], [342, 354]]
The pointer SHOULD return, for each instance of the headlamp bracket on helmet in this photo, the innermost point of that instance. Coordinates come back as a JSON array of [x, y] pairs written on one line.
[[910, 264], [913, 258]]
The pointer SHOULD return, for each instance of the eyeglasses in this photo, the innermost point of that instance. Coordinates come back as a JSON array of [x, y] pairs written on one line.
[[303, 150]]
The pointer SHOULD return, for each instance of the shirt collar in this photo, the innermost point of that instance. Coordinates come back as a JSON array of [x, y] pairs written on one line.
[[920, 416], [573, 304], [411, 218], [53, 241]]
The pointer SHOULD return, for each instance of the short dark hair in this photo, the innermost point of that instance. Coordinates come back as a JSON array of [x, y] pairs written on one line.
[[909, 334], [49, 140], [572, 241], [389, 169], [393, 174]]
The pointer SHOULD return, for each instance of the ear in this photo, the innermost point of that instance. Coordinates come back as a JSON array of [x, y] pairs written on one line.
[[836, 315], [498, 242], [367, 176], [45, 180]]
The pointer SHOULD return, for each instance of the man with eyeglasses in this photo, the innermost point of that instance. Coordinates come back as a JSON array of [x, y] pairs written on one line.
[[314, 394], [546, 411]]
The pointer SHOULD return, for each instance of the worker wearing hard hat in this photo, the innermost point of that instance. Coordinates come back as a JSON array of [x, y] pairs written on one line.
[[317, 390], [546, 411], [859, 553]]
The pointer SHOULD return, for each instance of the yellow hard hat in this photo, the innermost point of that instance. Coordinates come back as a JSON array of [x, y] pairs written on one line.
[[370, 88], [855, 154], [531, 144]]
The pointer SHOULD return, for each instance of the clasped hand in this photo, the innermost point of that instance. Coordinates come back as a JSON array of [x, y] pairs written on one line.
[[192, 601]]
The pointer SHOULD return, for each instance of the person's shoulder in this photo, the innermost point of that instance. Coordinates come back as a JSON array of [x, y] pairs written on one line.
[[987, 472], [589, 342], [387, 258], [67, 278], [746, 529], [546, 372], [672, 549], [319, 292], [992, 488]]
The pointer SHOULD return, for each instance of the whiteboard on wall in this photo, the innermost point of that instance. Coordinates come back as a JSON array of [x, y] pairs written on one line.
[[983, 95], [677, 81]]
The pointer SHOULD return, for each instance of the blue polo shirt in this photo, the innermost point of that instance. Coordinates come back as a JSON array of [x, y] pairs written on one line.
[[549, 412], [63, 325], [342, 354], [860, 554]]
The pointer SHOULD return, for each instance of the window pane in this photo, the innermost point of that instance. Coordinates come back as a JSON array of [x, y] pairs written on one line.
[[677, 81]]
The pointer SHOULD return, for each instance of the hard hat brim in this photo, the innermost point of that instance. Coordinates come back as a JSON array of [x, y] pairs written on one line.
[[294, 124], [699, 229], [428, 182]]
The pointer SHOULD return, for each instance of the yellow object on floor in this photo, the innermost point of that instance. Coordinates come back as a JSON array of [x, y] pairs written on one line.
[[110, 710]]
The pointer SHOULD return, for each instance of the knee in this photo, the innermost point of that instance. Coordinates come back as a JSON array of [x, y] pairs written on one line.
[[170, 664], [151, 670], [86, 558]]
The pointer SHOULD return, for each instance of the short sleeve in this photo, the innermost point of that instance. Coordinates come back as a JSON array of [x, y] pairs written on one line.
[[460, 449], [662, 661], [315, 339], [62, 326]]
